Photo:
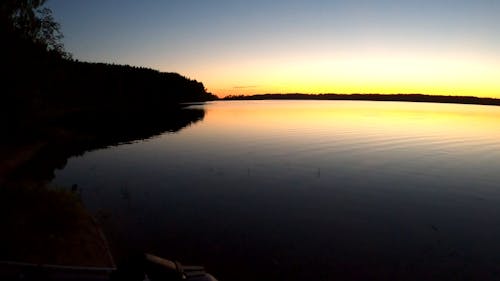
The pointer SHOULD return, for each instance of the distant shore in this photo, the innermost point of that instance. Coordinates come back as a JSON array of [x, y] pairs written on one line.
[[372, 97]]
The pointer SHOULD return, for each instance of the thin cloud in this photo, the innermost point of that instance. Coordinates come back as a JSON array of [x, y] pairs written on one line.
[[244, 87]]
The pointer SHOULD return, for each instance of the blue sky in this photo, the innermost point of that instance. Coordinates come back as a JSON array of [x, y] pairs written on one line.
[[230, 44]]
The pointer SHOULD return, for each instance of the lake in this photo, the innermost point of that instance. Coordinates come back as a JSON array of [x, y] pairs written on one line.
[[308, 190]]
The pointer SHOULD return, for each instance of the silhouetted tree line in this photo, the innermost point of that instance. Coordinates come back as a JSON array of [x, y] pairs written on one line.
[[40, 81], [111, 86], [26, 25], [371, 97], [58, 107]]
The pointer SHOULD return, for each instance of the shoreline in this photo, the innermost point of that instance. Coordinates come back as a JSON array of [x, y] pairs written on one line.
[[50, 226], [373, 97]]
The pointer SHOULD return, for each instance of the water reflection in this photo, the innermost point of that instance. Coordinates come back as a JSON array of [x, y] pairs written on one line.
[[78, 133], [309, 190]]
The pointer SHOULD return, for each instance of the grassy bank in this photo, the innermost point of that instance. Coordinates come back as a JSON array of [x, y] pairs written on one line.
[[48, 226]]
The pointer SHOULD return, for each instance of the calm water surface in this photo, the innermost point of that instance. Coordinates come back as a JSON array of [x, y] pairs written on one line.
[[309, 190]]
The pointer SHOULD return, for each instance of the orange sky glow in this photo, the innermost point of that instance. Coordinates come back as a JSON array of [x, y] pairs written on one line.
[[238, 47]]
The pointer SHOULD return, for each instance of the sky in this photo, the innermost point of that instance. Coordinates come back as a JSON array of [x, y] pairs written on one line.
[[445, 47]]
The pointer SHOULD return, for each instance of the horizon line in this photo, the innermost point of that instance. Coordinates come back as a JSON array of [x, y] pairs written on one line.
[[367, 94], [372, 97]]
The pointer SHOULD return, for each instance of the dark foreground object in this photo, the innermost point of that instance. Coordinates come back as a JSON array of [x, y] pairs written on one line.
[[137, 268], [149, 267]]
